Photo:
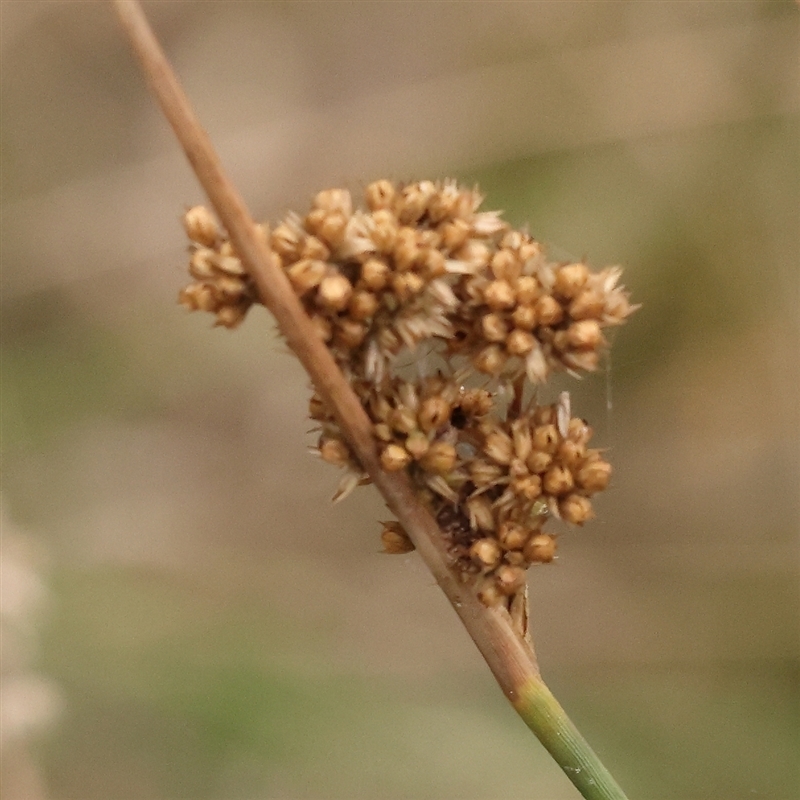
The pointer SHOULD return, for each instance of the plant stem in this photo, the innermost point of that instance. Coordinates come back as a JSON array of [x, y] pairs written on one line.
[[509, 656], [544, 715]]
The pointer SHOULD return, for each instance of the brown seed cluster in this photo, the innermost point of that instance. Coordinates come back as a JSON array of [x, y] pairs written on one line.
[[420, 264]]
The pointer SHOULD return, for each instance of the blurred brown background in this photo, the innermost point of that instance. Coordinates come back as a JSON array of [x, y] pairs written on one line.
[[185, 615]]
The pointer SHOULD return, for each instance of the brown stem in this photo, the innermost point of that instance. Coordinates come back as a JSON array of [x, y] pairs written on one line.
[[510, 658]]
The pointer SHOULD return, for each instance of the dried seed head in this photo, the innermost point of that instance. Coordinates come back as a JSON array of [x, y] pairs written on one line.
[[422, 265], [395, 540]]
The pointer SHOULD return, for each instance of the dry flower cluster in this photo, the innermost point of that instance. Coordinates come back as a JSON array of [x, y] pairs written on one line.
[[422, 264]]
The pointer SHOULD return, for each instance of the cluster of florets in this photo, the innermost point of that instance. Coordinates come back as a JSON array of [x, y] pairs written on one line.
[[421, 264]]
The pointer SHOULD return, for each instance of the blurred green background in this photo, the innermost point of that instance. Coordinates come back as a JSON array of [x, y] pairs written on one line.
[[185, 615]]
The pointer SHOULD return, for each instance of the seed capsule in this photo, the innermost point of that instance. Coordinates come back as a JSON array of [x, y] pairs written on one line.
[[417, 444], [395, 540], [548, 310], [335, 452], [509, 580], [486, 553], [576, 509], [201, 227], [433, 413], [379, 195], [440, 458], [519, 342], [594, 476], [499, 295], [558, 480], [394, 458], [585, 334], [512, 535], [334, 292], [540, 549], [305, 274], [570, 280]]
